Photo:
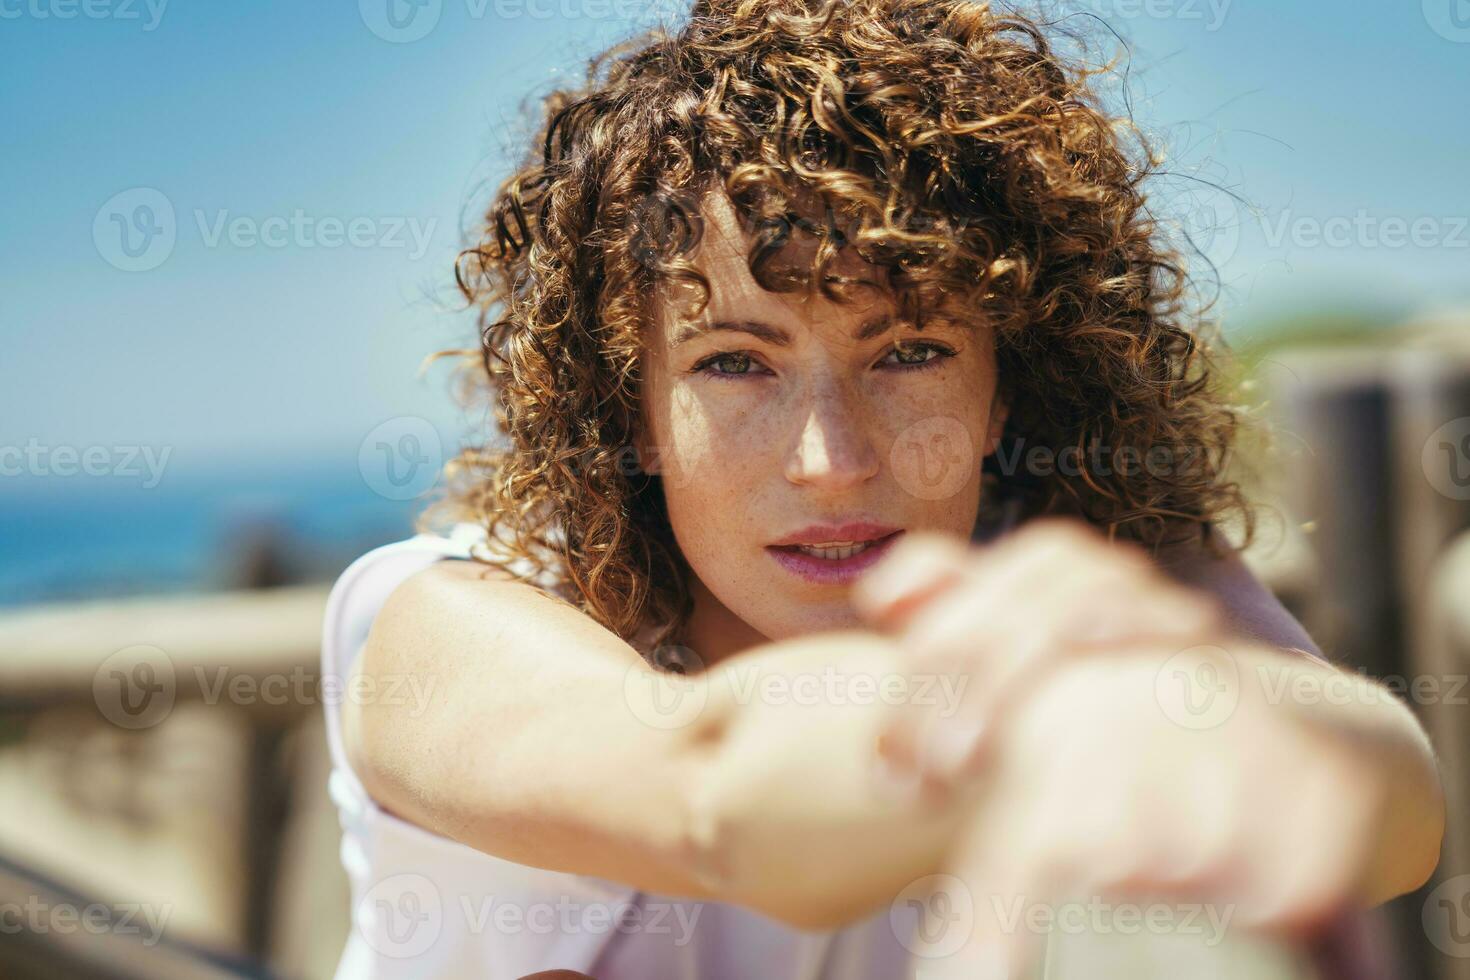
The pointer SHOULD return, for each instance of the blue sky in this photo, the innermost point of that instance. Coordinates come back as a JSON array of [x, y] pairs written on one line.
[[1336, 119]]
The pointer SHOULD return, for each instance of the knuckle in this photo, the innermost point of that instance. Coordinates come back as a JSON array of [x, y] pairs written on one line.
[[1215, 852]]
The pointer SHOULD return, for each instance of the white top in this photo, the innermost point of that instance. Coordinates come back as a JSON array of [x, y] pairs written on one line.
[[424, 906]]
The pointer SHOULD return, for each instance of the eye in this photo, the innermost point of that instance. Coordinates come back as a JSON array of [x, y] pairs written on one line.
[[921, 348], [741, 361], [917, 356]]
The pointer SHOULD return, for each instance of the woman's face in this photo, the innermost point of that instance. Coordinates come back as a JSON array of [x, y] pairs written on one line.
[[771, 414]]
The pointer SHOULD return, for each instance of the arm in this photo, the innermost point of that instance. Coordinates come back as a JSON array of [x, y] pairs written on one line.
[[524, 749], [979, 613], [530, 749], [1345, 705], [1107, 783], [801, 834], [1363, 717]]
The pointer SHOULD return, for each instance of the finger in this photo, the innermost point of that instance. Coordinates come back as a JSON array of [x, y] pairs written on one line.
[[906, 729], [1011, 661], [919, 566], [896, 777], [1061, 584], [993, 623]]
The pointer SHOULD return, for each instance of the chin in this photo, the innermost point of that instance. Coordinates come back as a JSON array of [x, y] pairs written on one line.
[[818, 619]]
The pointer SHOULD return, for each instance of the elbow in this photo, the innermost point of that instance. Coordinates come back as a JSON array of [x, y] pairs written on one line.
[[1411, 868], [1411, 833], [1422, 853], [819, 916], [1421, 862]]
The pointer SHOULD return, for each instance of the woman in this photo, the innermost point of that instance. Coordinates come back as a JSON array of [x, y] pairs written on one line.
[[854, 552]]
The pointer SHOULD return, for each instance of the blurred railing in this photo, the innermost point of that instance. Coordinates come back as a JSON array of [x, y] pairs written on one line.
[[167, 751]]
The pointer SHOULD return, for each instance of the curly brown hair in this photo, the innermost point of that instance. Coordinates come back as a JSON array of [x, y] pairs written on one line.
[[948, 144]]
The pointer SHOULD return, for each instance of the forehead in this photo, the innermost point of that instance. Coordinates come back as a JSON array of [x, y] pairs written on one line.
[[721, 255]]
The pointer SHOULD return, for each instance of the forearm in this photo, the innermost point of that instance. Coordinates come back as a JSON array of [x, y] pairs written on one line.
[[1375, 723], [792, 822]]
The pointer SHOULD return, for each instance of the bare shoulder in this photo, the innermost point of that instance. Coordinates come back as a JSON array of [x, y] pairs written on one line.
[[470, 590], [522, 744], [453, 574], [459, 609]]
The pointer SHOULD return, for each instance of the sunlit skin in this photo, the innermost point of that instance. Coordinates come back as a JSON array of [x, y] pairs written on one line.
[[755, 439]]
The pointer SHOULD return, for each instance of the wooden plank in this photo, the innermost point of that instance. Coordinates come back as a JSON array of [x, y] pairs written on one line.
[[53, 653]]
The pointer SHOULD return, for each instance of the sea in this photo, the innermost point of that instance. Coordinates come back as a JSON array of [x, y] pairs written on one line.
[[64, 539]]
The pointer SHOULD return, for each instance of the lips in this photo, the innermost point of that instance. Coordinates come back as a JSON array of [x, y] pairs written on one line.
[[834, 570], [826, 534]]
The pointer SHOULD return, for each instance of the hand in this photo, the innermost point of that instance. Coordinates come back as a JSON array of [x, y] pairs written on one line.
[[1000, 616], [1096, 794]]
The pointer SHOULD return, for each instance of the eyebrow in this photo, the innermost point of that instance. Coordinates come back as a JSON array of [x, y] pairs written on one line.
[[870, 328]]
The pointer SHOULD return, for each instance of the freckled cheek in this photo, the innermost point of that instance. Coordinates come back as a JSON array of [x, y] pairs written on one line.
[[719, 449], [741, 442], [907, 408], [717, 464], [932, 441]]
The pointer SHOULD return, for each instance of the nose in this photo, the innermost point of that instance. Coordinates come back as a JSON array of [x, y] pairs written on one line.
[[834, 447]]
